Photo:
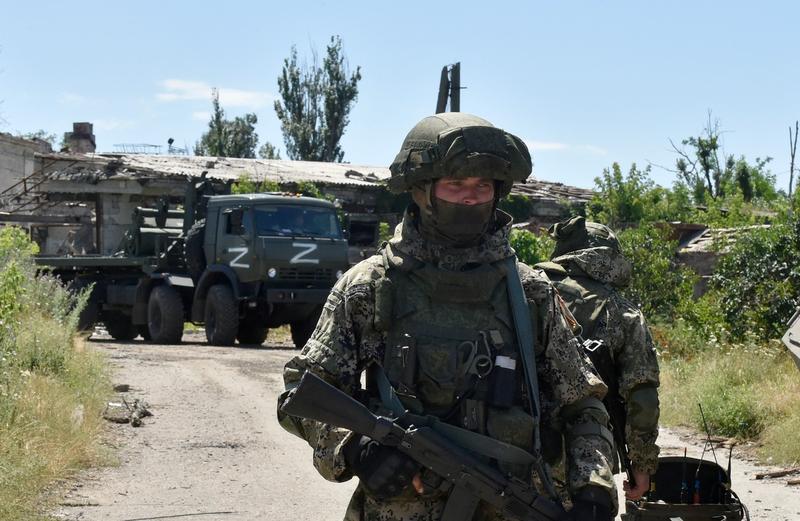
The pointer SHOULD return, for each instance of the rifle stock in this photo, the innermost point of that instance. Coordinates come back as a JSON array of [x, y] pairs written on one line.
[[315, 399]]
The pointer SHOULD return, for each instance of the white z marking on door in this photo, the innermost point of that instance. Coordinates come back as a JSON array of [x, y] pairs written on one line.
[[307, 247], [235, 262]]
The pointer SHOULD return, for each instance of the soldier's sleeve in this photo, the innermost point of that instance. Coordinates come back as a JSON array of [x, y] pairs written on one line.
[[337, 351], [637, 367], [568, 380]]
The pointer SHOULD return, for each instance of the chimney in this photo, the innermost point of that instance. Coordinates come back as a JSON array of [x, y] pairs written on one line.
[[81, 139]]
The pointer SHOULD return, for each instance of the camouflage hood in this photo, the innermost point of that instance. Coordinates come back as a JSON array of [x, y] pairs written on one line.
[[601, 263], [408, 241]]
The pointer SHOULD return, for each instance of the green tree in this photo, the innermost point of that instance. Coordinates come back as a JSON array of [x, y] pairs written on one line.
[[269, 151], [626, 200], [700, 168], [228, 138], [315, 104]]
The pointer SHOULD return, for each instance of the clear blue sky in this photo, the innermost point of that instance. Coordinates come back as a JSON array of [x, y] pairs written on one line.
[[584, 83]]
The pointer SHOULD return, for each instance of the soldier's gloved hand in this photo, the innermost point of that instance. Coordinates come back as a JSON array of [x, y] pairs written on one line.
[[384, 471], [591, 504]]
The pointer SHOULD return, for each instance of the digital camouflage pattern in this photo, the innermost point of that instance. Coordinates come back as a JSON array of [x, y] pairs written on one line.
[[353, 333], [587, 278]]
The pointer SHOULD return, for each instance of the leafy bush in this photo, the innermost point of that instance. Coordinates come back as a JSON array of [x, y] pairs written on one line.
[[658, 283], [758, 281], [519, 207], [531, 248], [247, 185], [624, 200]]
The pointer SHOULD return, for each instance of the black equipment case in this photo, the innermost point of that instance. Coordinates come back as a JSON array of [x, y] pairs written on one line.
[[717, 502]]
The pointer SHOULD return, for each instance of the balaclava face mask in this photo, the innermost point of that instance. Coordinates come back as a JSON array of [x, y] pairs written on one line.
[[453, 224]]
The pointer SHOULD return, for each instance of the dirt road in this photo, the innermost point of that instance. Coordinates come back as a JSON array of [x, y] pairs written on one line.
[[214, 451]]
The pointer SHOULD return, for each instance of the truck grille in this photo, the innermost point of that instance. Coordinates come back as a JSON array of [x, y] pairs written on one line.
[[305, 274]]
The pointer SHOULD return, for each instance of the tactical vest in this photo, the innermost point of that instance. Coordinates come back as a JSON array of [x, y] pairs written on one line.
[[444, 333], [587, 302]]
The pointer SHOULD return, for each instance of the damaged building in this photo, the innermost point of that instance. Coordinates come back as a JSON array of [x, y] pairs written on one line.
[[82, 202]]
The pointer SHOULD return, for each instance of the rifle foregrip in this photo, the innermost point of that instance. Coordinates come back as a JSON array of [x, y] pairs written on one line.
[[316, 399]]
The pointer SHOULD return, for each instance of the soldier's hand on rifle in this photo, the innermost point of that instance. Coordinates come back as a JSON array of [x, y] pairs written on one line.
[[642, 480], [384, 471]]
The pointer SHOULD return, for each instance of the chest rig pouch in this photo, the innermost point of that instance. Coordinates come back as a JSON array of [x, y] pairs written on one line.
[[448, 335]]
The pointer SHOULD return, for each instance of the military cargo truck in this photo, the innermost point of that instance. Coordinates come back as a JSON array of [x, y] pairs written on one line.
[[249, 263]]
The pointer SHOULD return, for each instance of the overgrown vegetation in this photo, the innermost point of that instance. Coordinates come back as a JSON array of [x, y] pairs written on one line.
[[728, 379], [531, 248], [52, 390], [720, 349]]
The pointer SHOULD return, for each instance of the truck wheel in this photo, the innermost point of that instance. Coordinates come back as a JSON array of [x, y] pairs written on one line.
[[119, 326], [144, 332], [193, 252], [251, 331], [301, 331], [221, 316], [165, 315]]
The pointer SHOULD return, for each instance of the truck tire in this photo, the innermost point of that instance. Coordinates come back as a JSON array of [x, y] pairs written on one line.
[[144, 332], [165, 315], [221, 316], [251, 331], [193, 252], [119, 326], [301, 330]]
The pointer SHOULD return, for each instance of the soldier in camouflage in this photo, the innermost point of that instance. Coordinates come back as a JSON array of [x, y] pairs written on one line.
[[589, 270], [430, 314]]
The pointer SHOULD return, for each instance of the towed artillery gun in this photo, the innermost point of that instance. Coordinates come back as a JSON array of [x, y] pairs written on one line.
[[237, 264]]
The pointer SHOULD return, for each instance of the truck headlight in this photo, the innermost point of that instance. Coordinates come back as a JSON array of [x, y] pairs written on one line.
[[272, 273], [339, 274]]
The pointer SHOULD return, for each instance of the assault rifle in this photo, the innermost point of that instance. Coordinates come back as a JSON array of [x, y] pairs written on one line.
[[468, 479]]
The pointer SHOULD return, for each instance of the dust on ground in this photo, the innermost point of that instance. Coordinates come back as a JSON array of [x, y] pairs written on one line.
[[213, 449]]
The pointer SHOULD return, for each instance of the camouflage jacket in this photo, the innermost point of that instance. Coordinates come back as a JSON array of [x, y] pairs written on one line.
[[590, 276], [346, 340]]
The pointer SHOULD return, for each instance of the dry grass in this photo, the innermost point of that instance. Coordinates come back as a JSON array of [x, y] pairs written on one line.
[[747, 391], [52, 392]]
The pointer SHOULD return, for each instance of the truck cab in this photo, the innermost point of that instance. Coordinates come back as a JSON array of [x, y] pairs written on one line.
[[270, 259]]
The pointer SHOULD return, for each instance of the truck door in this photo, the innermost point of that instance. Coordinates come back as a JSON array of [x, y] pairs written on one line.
[[235, 242]]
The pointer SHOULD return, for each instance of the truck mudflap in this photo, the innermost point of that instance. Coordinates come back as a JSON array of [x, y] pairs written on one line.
[[791, 339], [297, 296]]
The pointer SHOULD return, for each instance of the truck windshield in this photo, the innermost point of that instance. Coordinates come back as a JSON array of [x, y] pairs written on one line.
[[288, 221]]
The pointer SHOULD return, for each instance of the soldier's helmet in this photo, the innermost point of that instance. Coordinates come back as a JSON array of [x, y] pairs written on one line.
[[460, 145], [578, 234]]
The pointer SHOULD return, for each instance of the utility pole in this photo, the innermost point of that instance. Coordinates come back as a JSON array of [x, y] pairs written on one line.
[[792, 151], [449, 87]]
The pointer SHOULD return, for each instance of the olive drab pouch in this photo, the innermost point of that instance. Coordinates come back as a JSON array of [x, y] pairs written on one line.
[[688, 489]]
